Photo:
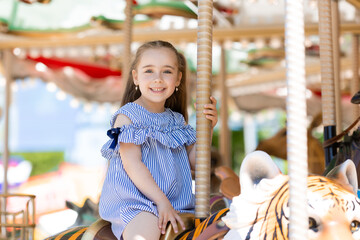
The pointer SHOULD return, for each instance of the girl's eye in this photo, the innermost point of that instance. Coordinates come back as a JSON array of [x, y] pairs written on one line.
[[354, 226], [313, 225], [148, 71], [167, 71]]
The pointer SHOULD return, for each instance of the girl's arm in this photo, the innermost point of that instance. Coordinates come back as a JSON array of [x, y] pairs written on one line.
[[143, 180], [210, 112]]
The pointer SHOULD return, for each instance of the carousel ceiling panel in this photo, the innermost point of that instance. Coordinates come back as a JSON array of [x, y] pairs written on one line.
[[64, 16], [160, 8], [94, 71], [72, 78], [67, 16], [57, 15], [271, 100]]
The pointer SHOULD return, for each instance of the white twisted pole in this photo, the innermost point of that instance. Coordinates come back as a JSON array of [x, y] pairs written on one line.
[[203, 91], [296, 118]]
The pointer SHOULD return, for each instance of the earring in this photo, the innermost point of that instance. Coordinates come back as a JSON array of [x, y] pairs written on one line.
[[136, 87], [176, 89]]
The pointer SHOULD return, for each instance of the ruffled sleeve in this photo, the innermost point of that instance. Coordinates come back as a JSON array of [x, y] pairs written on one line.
[[168, 128], [138, 134]]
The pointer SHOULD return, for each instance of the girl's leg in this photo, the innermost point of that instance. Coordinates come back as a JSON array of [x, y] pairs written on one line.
[[143, 227]]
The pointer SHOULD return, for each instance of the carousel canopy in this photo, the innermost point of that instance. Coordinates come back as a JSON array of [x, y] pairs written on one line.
[[78, 45]]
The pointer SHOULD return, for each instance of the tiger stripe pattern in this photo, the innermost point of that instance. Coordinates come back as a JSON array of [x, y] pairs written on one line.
[[70, 234], [270, 217], [212, 219]]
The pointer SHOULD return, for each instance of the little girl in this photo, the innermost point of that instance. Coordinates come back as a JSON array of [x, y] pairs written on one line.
[[152, 152]]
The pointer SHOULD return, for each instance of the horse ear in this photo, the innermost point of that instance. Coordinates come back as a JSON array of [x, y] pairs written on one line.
[[255, 167], [345, 174], [72, 206]]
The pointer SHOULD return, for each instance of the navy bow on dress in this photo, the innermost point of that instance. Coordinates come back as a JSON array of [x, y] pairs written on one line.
[[113, 133]]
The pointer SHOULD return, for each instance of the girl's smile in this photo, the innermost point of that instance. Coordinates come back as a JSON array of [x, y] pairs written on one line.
[[157, 89]]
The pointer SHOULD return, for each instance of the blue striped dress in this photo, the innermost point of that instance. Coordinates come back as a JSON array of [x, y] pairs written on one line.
[[163, 137]]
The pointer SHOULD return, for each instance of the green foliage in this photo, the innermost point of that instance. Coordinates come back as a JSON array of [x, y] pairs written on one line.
[[42, 162], [266, 130], [264, 133], [237, 147]]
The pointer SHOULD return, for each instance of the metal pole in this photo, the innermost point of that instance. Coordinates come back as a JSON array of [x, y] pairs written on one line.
[[327, 76], [296, 118], [6, 65], [225, 144], [355, 85], [5, 157], [203, 91], [127, 43], [336, 58]]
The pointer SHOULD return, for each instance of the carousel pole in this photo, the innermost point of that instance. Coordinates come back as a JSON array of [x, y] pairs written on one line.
[[5, 156], [327, 76], [127, 43], [296, 118], [225, 145], [203, 125], [336, 58], [355, 85]]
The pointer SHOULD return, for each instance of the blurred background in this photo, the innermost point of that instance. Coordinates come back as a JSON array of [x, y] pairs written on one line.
[[65, 77]]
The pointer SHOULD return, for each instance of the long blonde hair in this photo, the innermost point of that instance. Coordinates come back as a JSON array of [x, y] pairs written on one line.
[[177, 101]]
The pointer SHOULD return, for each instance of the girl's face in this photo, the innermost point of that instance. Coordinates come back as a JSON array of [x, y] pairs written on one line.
[[157, 75]]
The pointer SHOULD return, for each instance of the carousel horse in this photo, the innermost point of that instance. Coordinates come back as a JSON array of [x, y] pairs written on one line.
[[261, 211], [276, 146], [348, 147], [230, 185], [87, 214], [347, 143]]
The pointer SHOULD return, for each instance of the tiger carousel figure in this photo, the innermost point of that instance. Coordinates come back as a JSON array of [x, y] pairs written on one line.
[[261, 210]]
